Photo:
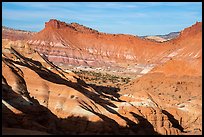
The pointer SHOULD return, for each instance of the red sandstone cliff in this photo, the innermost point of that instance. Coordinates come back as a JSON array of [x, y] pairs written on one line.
[[186, 59], [38, 95], [79, 45]]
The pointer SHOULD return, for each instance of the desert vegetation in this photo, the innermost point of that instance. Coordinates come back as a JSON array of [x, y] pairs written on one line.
[[102, 78]]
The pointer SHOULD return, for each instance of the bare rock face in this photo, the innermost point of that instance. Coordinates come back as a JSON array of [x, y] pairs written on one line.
[[38, 95], [55, 24], [186, 58], [79, 45], [173, 95], [60, 103], [12, 34]]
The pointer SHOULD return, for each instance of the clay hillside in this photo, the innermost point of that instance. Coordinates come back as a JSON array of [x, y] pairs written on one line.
[[78, 45], [74, 43], [69, 79], [13, 34]]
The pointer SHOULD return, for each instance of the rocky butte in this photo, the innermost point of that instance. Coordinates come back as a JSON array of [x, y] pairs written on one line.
[[77, 44], [40, 97]]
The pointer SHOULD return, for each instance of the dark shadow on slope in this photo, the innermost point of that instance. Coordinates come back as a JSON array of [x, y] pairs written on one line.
[[143, 127], [23, 88], [37, 117], [144, 124], [59, 70], [55, 78], [22, 58], [112, 123], [107, 92], [13, 98], [8, 117], [175, 123], [42, 119], [30, 110], [102, 90]]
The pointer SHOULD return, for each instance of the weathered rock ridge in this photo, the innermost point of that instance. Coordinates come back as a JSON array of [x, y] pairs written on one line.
[[40, 96], [12, 34], [43, 97], [78, 45]]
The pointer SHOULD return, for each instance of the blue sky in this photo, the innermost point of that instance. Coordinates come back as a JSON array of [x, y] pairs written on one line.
[[136, 18]]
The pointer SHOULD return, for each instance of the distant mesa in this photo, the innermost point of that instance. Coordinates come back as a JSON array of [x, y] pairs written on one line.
[[162, 38], [14, 34]]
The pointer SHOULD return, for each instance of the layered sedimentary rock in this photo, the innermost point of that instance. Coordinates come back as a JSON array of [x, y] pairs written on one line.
[[35, 91], [38, 95], [178, 96], [77, 44], [12, 34], [186, 59], [176, 84]]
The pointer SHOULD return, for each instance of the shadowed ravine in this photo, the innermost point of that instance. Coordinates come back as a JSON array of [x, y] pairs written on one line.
[[48, 122], [38, 117]]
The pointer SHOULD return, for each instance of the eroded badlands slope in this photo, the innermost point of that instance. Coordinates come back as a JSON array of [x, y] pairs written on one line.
[[37, 95], [79, 45], [75, 44], [176, 84], [12, 34]]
